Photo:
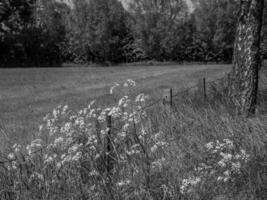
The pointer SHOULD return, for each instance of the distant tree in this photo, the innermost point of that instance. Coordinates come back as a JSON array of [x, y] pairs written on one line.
[[45, 39], [99, 31], [215, 21], [78, 32], [31, 32], [246, 61], [15, 16], [158, 26]]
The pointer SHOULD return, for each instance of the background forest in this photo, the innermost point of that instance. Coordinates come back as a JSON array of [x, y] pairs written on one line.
[[50, 32]]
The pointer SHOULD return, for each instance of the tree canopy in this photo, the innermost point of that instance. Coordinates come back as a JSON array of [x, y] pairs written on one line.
[[49, 32]]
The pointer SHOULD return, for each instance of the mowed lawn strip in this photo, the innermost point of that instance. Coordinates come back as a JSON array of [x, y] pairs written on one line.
[[27, 95]]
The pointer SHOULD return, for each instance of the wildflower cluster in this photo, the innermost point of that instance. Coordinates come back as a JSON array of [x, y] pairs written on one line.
[[223, 163], [71, 149]]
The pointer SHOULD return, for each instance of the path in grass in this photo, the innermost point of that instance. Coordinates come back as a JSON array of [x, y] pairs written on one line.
[[28, 94]]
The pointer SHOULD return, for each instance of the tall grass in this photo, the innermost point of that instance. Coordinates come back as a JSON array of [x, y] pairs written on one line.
[[198, 150]]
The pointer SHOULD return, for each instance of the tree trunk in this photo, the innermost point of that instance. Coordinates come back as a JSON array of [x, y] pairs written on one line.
[[246, 60]]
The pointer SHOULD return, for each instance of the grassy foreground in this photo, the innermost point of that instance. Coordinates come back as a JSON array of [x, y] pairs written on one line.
[[27, 95], [197, 150]]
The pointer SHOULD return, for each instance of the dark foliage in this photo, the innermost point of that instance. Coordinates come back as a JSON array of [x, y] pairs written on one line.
[[99, 31], [31, 34], [48, 32]]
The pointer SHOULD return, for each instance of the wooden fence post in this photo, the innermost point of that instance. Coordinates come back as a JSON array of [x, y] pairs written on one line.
[[229, 84], [204, 88], [228, 79], [167, 97], [109, 164], [109, 145]]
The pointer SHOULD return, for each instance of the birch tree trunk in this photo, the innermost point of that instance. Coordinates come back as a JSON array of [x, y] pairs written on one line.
[[246, 60]]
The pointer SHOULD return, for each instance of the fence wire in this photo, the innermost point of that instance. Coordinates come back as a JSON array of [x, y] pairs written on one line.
[[176, 94]]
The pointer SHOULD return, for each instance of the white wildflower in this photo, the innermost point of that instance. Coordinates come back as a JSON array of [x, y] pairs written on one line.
[[236, 166], [123, 183], [154, 148], [143, 131], [126, 127], [55, 113], [229, 143], [41, 127], [158, 135], [59, 141], [35, 146], [91, 104], [122, 134], [132, 152], [209, 145], [244, 155], [221, 163], [14, 164], [48, 159], [161, 143], [158, 163], [64, 110], [59, 165], [226, 179], [77, 156], [187, 184], [237, 156], [226, 156], [140, 98], [11, 156], [226, 173], [115, 112], [124, 101], [36, 175], [16, 148], [74, 148], [93, 173], [220, 178], [131, 82], [113, 88]]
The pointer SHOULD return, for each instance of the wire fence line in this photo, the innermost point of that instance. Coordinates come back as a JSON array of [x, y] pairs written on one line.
[[178, 93], [169, 103], [227, 79]]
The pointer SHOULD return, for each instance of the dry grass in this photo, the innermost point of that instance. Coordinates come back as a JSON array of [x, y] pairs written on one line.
[[181, 137], [28, 94]]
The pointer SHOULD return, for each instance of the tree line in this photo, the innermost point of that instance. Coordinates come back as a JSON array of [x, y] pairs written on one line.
[[49, 32]]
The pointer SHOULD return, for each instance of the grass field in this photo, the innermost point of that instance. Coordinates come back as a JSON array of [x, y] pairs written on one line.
[[202, 149], [28, 94]]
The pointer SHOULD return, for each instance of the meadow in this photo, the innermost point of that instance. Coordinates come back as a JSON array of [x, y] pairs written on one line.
[[200, 148], [27, 95]]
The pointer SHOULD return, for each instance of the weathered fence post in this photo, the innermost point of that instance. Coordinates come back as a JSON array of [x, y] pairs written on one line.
[[98, 131], [228, 84], [229, 79], [109, 156], [167, 98], [204, 89], [109, 145]]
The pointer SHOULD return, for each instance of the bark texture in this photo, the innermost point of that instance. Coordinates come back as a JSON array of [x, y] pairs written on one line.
[[246, 60]]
